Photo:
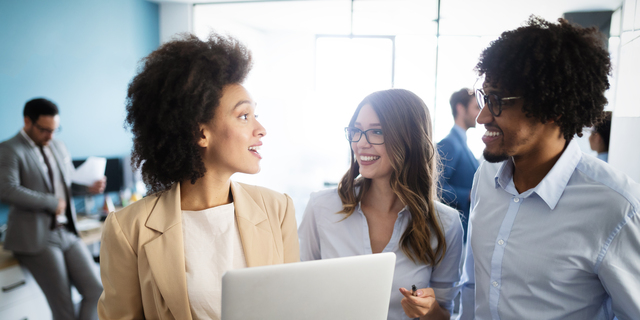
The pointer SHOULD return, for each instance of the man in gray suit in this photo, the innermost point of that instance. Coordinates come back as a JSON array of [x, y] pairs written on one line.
[[35, 180]]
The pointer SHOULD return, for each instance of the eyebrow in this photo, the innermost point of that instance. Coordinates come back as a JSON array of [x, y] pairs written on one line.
[[371, 124], [241, 102]]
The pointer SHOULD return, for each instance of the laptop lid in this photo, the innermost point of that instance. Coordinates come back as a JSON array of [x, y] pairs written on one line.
[[355, 287]]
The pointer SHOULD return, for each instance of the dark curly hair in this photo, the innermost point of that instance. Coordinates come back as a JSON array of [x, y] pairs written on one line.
[[560, 70], [179, 87]]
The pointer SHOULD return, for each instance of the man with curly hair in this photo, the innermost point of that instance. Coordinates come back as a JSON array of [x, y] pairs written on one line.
[[554, 233]]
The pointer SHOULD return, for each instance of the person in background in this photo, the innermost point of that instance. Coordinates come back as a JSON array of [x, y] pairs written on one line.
[[386, 202], [35, 180], [194, 126], [553, 234], [599, 138], [458, 163]]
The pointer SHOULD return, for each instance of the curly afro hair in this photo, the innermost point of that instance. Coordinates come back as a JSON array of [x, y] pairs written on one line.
[[179, 87], [560, 70]]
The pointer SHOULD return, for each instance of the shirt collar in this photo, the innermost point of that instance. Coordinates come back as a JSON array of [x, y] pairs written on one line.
[[461, 132], [26, 136], [552, 186]]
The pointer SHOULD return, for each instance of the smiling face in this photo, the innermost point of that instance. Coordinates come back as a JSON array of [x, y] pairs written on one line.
[[512, 134], [373, 159], [231, 140]]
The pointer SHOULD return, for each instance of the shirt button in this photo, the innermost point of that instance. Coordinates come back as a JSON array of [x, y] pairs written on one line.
[[495, 283], [500, 242], [516, 199]]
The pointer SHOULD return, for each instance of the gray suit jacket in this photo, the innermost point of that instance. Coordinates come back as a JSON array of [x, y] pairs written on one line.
[[25, 186]]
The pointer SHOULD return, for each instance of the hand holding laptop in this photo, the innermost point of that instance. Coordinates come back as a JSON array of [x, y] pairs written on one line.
[[419, 303]]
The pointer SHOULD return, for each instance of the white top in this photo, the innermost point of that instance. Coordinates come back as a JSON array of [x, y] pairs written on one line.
[[211, 247], [326, 234]]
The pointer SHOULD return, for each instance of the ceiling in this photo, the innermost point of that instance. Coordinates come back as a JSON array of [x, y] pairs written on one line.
[[382, 17]]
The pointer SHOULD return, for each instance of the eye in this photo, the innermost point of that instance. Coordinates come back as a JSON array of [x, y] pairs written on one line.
[[255, 116], [377, 132], [244, 117]]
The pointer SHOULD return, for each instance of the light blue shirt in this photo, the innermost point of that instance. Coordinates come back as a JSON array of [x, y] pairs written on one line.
[[324, 234], [567, 249]]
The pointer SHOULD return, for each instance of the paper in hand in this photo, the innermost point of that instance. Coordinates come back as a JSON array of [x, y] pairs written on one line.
[[90, 171]]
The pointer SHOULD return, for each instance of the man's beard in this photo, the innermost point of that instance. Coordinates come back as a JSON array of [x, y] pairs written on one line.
[[494, 158]]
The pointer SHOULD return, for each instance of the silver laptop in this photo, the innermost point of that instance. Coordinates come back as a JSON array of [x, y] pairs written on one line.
[[343, 288]]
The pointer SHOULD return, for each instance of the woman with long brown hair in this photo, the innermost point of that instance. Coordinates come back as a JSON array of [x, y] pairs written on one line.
[[386, 202]]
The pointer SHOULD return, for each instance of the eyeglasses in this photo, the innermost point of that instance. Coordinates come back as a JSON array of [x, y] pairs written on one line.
[[493, 101], [49, 131], [373, 136]]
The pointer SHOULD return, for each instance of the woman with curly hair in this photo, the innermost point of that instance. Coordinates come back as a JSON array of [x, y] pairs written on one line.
[[194, 126], [386, 202]]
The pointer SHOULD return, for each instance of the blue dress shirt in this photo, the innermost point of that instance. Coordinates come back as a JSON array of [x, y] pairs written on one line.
[[458, 167], [324, 234], [567, 249]]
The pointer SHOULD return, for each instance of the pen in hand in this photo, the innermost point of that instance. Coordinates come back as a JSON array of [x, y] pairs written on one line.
[[413, 289]]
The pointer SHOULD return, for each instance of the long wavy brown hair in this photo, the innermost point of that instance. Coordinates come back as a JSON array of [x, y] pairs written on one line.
[[406, 126]]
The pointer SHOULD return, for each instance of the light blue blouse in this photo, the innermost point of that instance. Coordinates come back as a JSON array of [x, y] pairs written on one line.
[[323, 235]]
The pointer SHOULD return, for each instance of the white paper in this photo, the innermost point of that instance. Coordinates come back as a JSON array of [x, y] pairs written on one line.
[[90, 171]]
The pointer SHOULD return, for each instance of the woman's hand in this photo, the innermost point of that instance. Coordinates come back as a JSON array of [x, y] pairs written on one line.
[[422, 305]]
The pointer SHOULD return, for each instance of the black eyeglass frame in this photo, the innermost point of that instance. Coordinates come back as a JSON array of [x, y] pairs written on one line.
[[362, 133], [483, 99], [49, 131]]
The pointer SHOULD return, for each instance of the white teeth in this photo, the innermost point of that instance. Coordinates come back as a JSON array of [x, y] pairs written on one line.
[[492, 133], [254, 148], [369, 158]]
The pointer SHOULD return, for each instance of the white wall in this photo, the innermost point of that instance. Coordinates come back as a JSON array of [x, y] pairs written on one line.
[[175, 18], [624, 151]]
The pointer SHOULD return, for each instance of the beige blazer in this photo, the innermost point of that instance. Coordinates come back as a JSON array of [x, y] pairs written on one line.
[[142, 253]]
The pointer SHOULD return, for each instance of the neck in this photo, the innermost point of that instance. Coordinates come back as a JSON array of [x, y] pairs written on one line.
[[381, 196], [531, 168], [209, 191], [460, 122]]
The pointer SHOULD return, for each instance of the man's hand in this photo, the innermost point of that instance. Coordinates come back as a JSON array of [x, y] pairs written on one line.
[[62, 206], [422, 305], [98, 186]]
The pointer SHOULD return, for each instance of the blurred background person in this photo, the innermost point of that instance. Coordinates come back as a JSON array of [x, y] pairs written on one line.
[[458, 163], [35, 180], [599, 138]]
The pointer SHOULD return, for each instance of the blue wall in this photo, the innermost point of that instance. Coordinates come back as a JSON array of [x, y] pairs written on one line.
[[81, 54]]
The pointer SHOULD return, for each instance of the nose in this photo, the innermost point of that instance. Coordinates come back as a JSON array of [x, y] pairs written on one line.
[[363, 143], [484, 116], [260, 130]]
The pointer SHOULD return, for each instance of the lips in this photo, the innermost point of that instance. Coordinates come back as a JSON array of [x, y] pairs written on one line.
[[254, 149], [491, 135]]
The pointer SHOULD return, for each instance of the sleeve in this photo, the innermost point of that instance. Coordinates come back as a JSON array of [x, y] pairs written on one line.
[[122, 297], [445, 277], [308, 233], [468, 293], [620, 268], [13, 193], [448, 157], [290, 233]]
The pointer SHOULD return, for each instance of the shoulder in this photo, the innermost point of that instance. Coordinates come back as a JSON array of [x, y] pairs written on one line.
[[449, 217], [449, 144], [132, 218], [608, 181], [262, 194], [326, 200], [12, 143]]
